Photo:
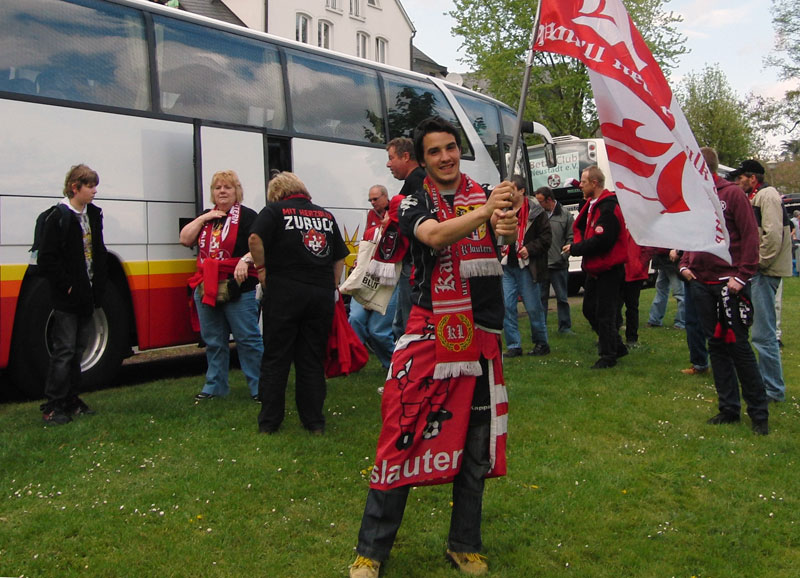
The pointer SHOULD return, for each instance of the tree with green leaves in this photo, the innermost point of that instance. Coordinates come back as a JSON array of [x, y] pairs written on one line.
[[717, 117], [497, 36], [786, 58]]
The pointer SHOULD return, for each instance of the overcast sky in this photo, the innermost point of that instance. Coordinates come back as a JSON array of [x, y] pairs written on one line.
[[736, 34]]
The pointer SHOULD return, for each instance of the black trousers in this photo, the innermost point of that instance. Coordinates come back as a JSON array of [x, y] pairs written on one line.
[[297, 321], [70, 336], [629, 297], [731, 363], [601, 307]]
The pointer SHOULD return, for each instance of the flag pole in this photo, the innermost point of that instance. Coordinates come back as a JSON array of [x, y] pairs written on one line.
[[526, 81]]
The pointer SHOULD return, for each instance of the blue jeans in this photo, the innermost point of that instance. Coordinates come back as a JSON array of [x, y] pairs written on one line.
[[695, 339], [559, 279], [518, 282], [384, 509], [667, 281], [216, 324], [374, 329], [763, 334]]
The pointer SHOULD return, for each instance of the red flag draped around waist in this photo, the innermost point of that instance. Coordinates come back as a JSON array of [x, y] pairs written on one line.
[[425, 420]]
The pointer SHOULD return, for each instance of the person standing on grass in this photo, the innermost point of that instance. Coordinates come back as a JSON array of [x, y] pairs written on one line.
[[666, 262], [636, 272], [721, 296], [774, 263], [561, 222], [299, 252], [403, 165], [74, 263], [602, 239], [373, 328], [444, 404], [524, 268], [223, 258]]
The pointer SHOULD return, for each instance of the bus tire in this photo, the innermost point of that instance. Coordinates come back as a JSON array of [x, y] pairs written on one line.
[[30, 351]]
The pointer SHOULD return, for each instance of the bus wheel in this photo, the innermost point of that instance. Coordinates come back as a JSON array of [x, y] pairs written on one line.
[[30, 353]]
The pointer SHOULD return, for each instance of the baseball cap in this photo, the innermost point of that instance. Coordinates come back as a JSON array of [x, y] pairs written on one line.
[[748, 166]]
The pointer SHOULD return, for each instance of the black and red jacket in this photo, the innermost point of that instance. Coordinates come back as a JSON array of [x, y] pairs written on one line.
[[600, 235]]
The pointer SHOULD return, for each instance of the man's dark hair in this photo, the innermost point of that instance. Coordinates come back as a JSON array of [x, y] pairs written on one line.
[[519, 182], [546, 192], [432, 124], [402, 145]]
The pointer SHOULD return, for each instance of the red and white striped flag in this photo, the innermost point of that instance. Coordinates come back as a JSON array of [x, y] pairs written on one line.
[[664, 187]]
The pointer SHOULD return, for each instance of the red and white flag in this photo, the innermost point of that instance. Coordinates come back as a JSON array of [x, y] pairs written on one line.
[[664, 186]]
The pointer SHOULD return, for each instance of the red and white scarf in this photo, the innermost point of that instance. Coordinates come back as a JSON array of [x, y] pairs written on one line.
[[473, 256], [392, 247], [215, 245], [522, 227]]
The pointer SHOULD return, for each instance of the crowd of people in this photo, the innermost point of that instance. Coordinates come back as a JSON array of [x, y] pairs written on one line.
[[444, 403]]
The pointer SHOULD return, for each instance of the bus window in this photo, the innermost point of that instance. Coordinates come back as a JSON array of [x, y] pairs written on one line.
[[409, 102], [509, 119], [485, 121], [209, 74], [334, 99], [90, 52]]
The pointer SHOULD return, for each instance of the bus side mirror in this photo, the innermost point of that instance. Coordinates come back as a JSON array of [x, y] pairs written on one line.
[[550, 154]]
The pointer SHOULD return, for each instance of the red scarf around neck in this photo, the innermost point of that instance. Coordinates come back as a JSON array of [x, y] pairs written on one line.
[[457, 352]]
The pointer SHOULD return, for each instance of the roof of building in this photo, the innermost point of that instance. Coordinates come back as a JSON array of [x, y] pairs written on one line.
[[212, 9], [420, 57]]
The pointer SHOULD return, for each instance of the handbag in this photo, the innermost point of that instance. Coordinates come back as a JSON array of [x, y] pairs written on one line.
[[363, 286], [227, 290]]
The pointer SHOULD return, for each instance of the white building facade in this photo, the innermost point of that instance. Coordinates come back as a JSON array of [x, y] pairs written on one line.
[[378, 30]]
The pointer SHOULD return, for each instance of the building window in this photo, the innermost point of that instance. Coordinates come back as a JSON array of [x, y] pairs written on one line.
[[325, 34], [355, 8], [372, 3], [362, 41], [303, 26], [380, 50], [332, 4]]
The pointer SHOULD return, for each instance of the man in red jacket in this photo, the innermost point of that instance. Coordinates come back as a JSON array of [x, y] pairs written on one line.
[[602, 239], [721, 294]]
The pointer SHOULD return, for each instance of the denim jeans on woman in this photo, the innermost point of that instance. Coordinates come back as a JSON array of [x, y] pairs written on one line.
[[216, 324]]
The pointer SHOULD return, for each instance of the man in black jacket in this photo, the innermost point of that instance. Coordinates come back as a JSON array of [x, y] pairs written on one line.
[[74, 264]]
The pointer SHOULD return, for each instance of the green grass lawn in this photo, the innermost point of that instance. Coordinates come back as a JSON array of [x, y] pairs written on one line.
[[611, 473]]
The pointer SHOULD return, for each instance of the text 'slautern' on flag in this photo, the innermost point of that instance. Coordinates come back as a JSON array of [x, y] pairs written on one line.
[[664, 187]]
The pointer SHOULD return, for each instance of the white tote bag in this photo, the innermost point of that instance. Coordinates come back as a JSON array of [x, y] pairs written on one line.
[[363, 286]]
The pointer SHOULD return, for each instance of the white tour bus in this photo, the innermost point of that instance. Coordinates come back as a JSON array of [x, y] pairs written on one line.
[[156, 100]]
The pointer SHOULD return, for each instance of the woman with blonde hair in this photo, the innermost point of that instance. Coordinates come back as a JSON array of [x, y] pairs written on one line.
[[299, 254], [224, 285]]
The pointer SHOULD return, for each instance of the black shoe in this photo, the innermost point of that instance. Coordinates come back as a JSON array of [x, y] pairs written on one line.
[[55, 417], [760, 428], [202, 396], [622, 350], [255, 398], [604, 363], [722, 418], [540, 349], [79, 407], [265, 429], [513, 352]]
